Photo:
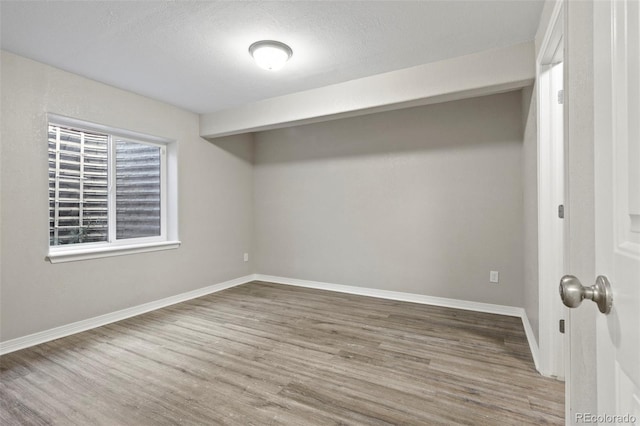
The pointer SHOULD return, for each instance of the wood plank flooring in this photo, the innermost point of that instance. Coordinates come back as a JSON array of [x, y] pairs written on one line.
[[266, 354]]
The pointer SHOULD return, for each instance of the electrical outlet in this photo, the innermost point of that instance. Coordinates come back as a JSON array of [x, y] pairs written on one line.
[[494, 276], [246, 257]]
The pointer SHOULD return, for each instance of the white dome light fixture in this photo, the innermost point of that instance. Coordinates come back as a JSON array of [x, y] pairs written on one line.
[[270, 54]]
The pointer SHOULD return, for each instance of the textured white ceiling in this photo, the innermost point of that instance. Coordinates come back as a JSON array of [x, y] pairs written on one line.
[[194, 54]]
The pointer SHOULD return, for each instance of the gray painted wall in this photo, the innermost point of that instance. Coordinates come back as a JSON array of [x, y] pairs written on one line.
[[425, 200], [215, 208], [530, 218]]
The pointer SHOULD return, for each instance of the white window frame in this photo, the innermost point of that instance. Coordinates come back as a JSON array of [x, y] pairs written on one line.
[[168, 238]]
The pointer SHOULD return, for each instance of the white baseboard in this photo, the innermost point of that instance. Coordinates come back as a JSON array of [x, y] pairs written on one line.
[[512, 311], [397, 295], [531, 338], [79, 326]]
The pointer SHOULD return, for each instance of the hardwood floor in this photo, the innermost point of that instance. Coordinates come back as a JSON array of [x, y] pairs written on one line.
[[262, 354]]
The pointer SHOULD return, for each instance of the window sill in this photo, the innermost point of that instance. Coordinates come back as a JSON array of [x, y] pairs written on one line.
[[72, 255]]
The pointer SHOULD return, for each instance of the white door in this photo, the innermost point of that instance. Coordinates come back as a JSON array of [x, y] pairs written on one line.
[[617, 201]]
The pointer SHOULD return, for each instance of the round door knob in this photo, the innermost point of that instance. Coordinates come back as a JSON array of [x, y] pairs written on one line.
[[572, 292]]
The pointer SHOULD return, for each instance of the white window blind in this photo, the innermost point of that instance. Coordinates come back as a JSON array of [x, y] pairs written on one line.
[[106, 190], [78, 186]]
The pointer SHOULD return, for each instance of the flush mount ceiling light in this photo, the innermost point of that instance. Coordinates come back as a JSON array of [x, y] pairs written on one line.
[[270, 54]]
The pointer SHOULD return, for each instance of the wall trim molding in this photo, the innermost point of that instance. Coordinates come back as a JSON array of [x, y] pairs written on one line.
[[90, 323], [531, 338], [490, 308], [398, 295], [551, 192]]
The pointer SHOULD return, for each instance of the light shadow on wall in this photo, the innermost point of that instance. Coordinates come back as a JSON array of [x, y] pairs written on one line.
[[236, 146], [455, 125]]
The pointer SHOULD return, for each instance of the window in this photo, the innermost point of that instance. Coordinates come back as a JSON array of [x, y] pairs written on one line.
[[109, 191]]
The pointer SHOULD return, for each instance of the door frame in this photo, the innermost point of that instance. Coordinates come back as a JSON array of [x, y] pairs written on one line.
[[551, 185]]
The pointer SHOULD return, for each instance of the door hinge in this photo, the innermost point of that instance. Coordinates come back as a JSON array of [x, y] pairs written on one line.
[[560, 97], [561, 326], [561, 211]]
